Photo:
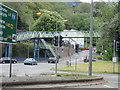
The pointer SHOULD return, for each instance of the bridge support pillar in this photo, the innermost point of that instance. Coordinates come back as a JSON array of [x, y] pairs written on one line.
[[7, 50], [1, 50], [36, 48], [45, 54]]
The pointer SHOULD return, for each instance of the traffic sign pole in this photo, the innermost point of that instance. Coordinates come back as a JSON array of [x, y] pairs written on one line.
[[10, 49]]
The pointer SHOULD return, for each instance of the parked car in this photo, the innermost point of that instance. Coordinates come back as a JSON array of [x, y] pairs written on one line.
[[30, 61], [53, 60], [7, 60], [87, 60], [100, 58], [86, 48]]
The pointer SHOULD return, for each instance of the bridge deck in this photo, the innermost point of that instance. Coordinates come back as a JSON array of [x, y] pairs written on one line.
[[51, 34]]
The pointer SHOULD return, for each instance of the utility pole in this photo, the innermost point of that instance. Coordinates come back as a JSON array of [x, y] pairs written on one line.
[[91, 39]]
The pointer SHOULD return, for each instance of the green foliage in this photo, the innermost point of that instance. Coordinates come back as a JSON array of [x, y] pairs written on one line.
[[105, 17], [20, 50], [108, 23], [108, 54], [25, 16], [83, 8], [78, 17], [48, 21]]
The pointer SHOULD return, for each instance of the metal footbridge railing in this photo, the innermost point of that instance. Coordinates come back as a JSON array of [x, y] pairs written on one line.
[[48, 47], [50, 34]]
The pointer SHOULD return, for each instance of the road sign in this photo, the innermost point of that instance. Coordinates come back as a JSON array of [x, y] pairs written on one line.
[[114, 59], [62, 49], [8, 24]]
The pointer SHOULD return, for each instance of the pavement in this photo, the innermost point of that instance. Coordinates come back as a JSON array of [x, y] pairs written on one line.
[[45, 79]]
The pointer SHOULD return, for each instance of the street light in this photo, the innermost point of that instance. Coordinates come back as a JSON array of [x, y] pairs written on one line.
[[65, 20], [38, 13]]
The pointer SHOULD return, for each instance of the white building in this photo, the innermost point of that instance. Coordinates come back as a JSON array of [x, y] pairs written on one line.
[[74, 41]]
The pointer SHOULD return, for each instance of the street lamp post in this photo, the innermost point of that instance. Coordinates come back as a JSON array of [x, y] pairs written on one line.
[[91, 39], [56, 48]]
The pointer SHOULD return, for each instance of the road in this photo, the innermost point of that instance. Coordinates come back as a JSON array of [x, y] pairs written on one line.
[[20, 69], [111, 81]]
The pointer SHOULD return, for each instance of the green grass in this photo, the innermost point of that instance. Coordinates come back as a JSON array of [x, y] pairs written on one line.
[[96, 56], [97, 67]]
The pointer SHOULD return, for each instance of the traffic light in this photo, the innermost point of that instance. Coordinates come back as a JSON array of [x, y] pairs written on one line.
[[117, 46], [55, 40], [61, 41], [76, 48]]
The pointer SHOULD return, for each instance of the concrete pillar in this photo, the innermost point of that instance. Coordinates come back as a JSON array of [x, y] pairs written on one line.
[[38, 48], [34, 48], [45, 54]]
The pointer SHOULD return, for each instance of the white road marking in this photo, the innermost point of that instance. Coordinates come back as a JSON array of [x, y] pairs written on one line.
[[107, 86]]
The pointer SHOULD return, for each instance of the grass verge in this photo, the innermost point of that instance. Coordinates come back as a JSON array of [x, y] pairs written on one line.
[[97, 67]]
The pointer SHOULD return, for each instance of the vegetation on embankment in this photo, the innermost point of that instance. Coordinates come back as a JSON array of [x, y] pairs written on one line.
[[52, 14], [97, 67]]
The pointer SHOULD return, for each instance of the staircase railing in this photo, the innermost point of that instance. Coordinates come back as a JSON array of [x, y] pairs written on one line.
[[48, 47]]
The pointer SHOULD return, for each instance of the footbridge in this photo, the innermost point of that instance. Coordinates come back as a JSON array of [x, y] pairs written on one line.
[[51, 34], [40, 43], [39, 36]]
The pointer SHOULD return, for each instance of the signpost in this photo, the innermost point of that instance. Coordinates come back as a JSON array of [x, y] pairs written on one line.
[[8, 24], [114, 60], [8, 27]]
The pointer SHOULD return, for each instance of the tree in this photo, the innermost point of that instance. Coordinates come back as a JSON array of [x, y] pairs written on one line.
[[48, 21], [109, 28], [25, 16]]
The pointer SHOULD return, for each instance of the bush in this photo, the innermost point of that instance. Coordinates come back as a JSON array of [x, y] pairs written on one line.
[[108, 54]]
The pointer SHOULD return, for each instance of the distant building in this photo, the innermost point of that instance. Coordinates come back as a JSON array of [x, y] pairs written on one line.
[[74, 41]]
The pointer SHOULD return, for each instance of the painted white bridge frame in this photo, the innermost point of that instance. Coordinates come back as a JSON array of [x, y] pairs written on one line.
[[50, 34]]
